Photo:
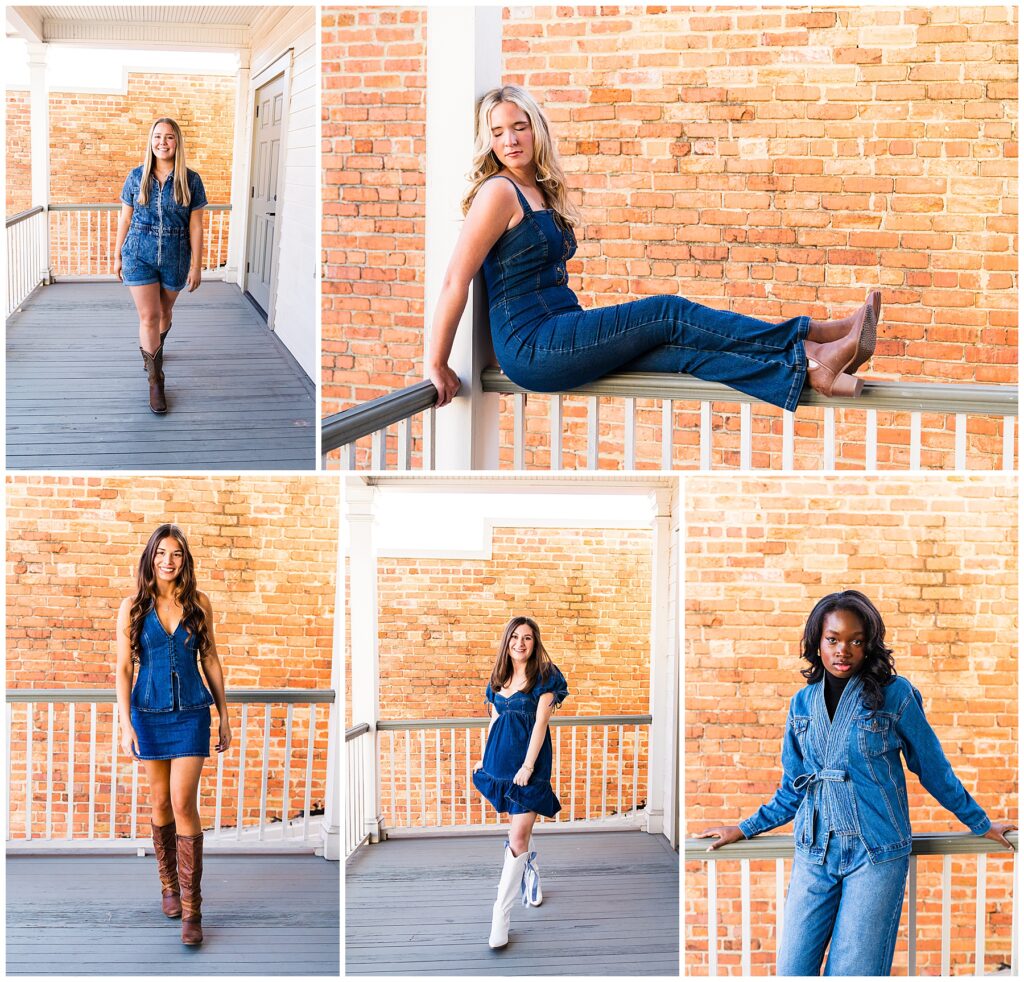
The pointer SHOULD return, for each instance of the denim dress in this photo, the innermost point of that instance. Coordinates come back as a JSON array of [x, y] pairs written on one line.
[[844, 787], [546, 342], [170, 706], [506, 748], [157, 248]]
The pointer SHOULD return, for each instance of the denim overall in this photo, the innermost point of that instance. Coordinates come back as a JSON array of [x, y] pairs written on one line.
[[844, 785], [157, 248], [506, 748], [170, 706], [546, 342]]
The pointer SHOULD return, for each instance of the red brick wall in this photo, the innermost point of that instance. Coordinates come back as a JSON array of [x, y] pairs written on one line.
[[939, 559], [440, 623], [773, 162], [96, 138], [265, 552]]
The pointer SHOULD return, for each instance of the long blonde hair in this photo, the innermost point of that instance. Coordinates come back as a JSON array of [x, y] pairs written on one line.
[[550, 176], [181, 192]]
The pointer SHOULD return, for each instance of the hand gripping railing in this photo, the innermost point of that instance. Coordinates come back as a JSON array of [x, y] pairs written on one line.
[[43, 783], [780, 848]]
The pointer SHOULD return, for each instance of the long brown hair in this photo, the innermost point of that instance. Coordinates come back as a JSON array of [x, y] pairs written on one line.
[[181, 192], [538, 665], [185, 592]]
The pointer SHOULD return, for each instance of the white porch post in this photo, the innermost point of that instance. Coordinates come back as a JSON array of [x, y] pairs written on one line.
[[365, 673], [234, 271], [664, 677], [330, 830], [39, 107], [463, 62]]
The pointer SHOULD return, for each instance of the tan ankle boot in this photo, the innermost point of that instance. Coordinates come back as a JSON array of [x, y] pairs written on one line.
[[166, 848], [823, 332], [190, 875]]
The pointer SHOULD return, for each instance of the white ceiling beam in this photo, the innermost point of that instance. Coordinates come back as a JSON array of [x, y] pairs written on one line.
[[25, 22]]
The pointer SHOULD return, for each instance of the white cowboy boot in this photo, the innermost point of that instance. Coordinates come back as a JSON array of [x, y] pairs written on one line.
[[532, 893], [509, 887]]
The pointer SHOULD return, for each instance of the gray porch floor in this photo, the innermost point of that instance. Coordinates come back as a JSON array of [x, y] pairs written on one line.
[[91, 915], [423, 907], [77, 396]]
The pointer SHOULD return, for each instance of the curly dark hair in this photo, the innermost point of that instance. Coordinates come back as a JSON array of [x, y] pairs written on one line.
[[185, 590], [878, 670]]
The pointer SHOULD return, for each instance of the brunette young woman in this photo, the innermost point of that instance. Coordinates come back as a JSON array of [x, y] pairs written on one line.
[[519, 228], [159, 246], [515, 776], [166, 629], [843, 782]]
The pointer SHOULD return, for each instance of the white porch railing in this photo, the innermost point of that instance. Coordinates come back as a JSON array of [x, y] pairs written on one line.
[[82, 239], [44, 781], [355, 784], [780, 848], [424, 780], [26, 255], [909, 401]]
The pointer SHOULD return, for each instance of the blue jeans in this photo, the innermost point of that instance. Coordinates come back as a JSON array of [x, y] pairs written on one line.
[[848, 899]]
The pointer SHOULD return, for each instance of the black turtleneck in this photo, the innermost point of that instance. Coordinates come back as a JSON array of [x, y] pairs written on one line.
[[833, 693]]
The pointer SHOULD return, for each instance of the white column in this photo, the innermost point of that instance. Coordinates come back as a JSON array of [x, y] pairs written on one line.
[[39, 107], [664, 675], [330, 826], [240, 153], [365, 672], [463, 62]]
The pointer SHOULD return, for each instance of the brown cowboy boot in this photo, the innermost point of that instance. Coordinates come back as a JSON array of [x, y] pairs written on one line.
[[822, 332], [163, 335], [154, 369], [166, 848], [190, 875]]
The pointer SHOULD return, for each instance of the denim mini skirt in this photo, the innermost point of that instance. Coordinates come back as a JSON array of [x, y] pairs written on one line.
[[179, 733]]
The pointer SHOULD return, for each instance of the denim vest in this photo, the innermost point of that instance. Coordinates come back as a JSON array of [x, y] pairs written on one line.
[[161, 216], [168, 671], [525, 275], [845, 776]]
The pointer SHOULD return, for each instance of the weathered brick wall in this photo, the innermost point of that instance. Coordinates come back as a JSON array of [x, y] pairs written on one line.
[[440, 623], [939, 559], [96, 138], [773, 162], [265, 552]]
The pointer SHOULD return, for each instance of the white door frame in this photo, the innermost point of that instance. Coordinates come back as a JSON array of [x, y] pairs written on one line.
[[281, 66]]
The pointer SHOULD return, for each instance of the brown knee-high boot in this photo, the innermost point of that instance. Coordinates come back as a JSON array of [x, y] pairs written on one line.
[[166, 848], [190, 875], [154, 364]]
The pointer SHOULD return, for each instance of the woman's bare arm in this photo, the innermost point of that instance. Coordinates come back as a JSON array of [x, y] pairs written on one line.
[[123, 675], [195, 238], [494, 206], [545, 707], [215, 677], [123, 221]]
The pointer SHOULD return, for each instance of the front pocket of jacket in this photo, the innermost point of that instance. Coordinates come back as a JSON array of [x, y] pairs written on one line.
[[875, 736], [800, 726]]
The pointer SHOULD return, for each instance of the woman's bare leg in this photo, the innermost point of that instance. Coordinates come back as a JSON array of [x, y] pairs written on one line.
[[158, 774], [520, 832], [185, 774], [148, 304], [167, 298]]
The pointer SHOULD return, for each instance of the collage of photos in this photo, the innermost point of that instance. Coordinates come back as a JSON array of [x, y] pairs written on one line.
[[562, 517]]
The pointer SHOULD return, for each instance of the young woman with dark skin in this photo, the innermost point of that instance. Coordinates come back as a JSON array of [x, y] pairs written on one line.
[[844, 784], [165, 717]]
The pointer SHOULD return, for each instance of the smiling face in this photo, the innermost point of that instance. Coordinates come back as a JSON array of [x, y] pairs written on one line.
[[843, 644], [511, 136], [168, 560], [164, 142], [520, 645]]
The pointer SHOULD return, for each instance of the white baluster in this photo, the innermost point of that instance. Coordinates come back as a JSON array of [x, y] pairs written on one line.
[[422, 783], [451, 761], [979, 917], [618, 780], [960, 453], [830, 439], [780, 900], [947, 874], [572, 771], [286, 783], [437, 775], [604, 776], [49, 771], [593, 432], [915, 441], [240, 804], [912, 919], [219, 795], [71, 771], [379, 451], [788, 439], [429, 441], [666, 434], [556, 420], [746, 436], [92, 768], [590, 732], [264, 771], [871, 441], [113, 759], [1008, 442], [518, 430], [712, 918], [556, 777], [745, 915], [469, 779], [408, 778], [30, 706], [310, 751], [636, 763], [404, 444], [629, 445], [705, 436]]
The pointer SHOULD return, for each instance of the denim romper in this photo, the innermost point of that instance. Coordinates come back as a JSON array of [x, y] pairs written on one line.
[[157, 248], [843, 785], [506, 748], [170, 706], [546, 342]]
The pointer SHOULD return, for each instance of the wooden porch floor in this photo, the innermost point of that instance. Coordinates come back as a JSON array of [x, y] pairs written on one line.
[[100, 915], [423, 907], [77, 395]]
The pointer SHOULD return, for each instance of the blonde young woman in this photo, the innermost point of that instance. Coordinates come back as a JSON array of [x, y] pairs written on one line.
[[515, 775], [159, 247], [519, 229], [167, 629]]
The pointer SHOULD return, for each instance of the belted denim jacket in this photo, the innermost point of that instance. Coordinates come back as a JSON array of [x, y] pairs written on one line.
[[845, 776], [167, 663]]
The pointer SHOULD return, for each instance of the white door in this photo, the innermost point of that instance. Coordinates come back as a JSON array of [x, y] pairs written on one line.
[[260, 259]]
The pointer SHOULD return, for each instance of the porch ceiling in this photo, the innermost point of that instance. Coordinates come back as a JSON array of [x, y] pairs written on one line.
[[209, 27]]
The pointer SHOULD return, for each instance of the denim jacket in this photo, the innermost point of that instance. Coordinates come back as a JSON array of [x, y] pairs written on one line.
[[845, 777], [168, 670]]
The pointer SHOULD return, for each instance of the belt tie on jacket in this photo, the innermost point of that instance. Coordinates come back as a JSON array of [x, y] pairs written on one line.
[[812, 782]]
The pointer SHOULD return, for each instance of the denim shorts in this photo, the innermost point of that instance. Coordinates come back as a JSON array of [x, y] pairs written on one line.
[[150, 255]]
